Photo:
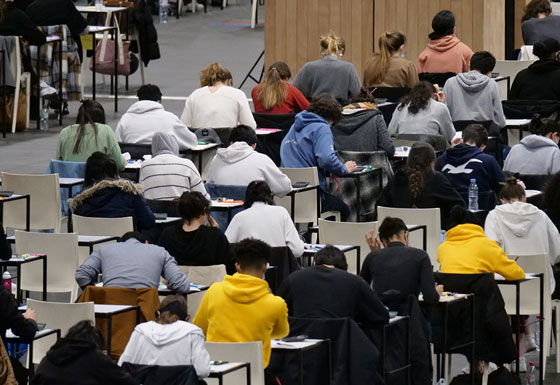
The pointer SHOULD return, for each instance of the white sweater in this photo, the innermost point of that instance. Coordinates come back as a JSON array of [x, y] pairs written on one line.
[[239, 165], [270, 224], [178, 343], [226, 107], [144, 118]]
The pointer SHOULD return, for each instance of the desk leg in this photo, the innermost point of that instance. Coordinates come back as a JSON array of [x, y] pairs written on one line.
[[248, 373], [425, 237], [70, 226], [44, 277], [518, 330], [31, 366], [359, 261], [221, 379], [541, 337], [444, 347], [39, 87], [473, 348], [18, 283], [28, 213], [358, 198], [229, 215], [109, 333], [60, 82], [300, 354], [329, 361], [293, 207], [199, 153], [116, 73], [94, 59], [137, 315], [408, 352], [383, 350]]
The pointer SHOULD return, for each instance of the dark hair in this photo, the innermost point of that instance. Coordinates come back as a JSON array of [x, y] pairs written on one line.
[[258, 191], [330, 255], [172, 308], [475, 133], [86, 331], [443, 24], [243, 134], [551, 195], [364, 96], [391, 227], [535, 7], [192, 205], [546, 48], [418, 97], [483, 61], [99, 166], [252, 254], [149, 92], [90, 112], [511, 190], [326, 107], [543, 126], [459, 215], [133, 235], [420, 159]]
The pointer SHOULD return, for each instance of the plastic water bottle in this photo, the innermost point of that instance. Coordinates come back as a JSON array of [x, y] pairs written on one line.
[[7, 281], [473, 196], [163, 10], [99, 5], [44, 123], [538, 333], [531, 374]]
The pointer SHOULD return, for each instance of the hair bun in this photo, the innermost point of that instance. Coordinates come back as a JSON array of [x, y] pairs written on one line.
[[511, 180]]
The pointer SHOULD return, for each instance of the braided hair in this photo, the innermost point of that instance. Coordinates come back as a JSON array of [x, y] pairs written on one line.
[[420, 161]]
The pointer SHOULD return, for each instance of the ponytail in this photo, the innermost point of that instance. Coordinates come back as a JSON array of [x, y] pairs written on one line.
[[511, 190], [389, 43], [273, 91], [332, 44]]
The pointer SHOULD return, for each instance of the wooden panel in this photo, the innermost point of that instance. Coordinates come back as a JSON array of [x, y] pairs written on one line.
[[411, 50], [467, 20], [291, 35], [367, 38], [356, 55], [302, 56], [270, 34], [424, 27], [281, 28], [335, 8]]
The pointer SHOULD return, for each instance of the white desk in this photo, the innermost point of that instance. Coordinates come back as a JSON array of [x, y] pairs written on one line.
[[108, 311], [218, 371]]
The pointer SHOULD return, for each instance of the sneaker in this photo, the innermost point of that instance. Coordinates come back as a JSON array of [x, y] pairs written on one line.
[[530, 344], [46, 90], [522, 365]]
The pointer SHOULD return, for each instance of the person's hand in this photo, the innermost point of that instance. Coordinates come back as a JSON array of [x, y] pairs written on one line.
[[439, 96], [351, 166], [30, 314], [439, 289], [522, 184], [456, 141], [212, 222], [373, 242]]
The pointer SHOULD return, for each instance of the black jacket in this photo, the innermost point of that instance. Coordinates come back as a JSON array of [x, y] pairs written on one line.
[[5, 248], [147, 33], [11, 317], [55, 12], [541, 81], [162, 375], [17, 23]]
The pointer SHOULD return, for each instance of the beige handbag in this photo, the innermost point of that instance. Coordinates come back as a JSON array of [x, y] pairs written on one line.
[[7, 376]]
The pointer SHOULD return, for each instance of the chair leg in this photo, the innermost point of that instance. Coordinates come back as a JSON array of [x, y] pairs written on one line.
[[557, 319], [27, 77], [16, 103], [485, 374], [254, 14]]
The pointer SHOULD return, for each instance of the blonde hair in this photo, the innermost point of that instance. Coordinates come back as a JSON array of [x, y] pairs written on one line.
[[389, 43], [214, 73], [332, 44], [273, 91]]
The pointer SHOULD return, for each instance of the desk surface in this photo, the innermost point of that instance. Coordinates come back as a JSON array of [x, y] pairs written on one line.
[[227, 205], [267, 131], [17, 260], [111, 309], [12, 197], [70, 181], [88, 9], [168, 220], [307, 343], [204, 147], [38, 334], [225, 368], [313, 248], [517, 122], [532, 193]]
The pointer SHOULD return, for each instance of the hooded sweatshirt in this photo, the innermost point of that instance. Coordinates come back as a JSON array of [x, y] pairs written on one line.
[[446, 54], [474, 96], [522, 229], [167, 176], [242, 309], [540, 81], [177, 343], [309, 143], [239, 165], [534, 155], [146, 117], [467, 250]]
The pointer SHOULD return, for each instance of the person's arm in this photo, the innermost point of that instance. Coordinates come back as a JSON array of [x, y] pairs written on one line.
[[553, 241], [114, 150], [25, 27], [284, 291], [197, 184], [201, 317], [200, 358], [365, 271], [354, 84], [300, 101], [517, 84], [555, 166], [186, 116], [281, 327], [177, 281], [87, 272], [326, 157], [507, 268], [5, 248], [427, 281], [293, 241], [412, 75], [12, 318], [143, 214], [446, 123], [186, 138], [370, 309], [245, 115], [384, 141], [131, 349], [279, 183]]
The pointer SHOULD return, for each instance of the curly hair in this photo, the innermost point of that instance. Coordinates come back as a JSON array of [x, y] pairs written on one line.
[[420, 160], [326, 107], [418, 97], [535, 7], [214, 73]]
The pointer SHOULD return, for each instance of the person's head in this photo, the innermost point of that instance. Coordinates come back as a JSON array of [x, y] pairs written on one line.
[[243, 134], [546, 127], [326, 107], [365, 96], [90, 112], [475, 135], [546, 49], [459, 215], [390, 44], [483, 62], [99, 166], [551, 194], [537, 8], [421, 160], [418, 98], [393, 230], [331, 256], [86, 331], [272, 91], [149, 92], [252, 256], [215, 73], [258, 191], [133, 235], [193, 206], [332, 44], [173, 308], [164, 143], [443, 24], [512, 191]]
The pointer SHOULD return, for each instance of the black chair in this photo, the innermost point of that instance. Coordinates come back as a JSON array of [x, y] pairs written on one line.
[[392, 94], [137, 151], [438, 142], [436, 78], [532, 182], [280, 121], [162, 375], [270, 144]]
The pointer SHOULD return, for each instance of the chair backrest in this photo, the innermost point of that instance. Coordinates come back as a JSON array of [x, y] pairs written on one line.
[[62, 261], [392, 94], [280, 121], [429, 217], [436, 78], [58, 316], [251, 352], [438, 142], [347, 233], [306, 208], [202, 275], [532, 182], [526, 53], [115, 227], [66, 169], [136, 151], [511, 67], [526, 108], [44, 192], [460, 125]]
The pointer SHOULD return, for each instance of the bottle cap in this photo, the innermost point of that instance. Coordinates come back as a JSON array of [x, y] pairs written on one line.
[[538, 316], [532, 363], [6, 275], [473, 180]]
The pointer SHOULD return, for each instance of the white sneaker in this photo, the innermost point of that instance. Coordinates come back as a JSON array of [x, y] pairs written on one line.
[[530, 343], [522, 365], [46, 90]]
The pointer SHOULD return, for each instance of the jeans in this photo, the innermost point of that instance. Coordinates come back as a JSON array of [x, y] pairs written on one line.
[[331, 203]]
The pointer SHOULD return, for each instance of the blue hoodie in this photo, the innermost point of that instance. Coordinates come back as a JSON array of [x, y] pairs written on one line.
[[309, 143]]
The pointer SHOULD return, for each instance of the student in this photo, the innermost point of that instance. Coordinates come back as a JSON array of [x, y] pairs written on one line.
[[388, 67], [275, 95], [551, 198], [262, 220], [217, 104], [5, 248], [240, 164], [166, 175], [55, 12], [14, 22], [90, 134], [309, 143], [538, 153], [197, 241], [422, 111], [170, 340], [330, 74], [538, 22], [445, 52], [147, 116], [474, 95], [241, 308]]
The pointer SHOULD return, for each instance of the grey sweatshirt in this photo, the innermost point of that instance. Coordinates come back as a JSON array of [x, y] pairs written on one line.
[[534, 155], [535, 30], [474, 96]]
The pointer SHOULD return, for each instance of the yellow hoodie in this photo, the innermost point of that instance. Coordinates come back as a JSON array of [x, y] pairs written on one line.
[[467, 250], [242, 309]]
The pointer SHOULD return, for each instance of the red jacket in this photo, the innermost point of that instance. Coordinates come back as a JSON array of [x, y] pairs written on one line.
[[295, 102]]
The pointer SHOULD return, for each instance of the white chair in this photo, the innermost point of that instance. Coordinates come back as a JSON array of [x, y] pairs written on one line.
[[202, 275], [347, 233], [511, 67], [115, 227], [429, 217], [62, 261], [556, 308], [44, 192], [251, 352], [57, 316], [254, 9]]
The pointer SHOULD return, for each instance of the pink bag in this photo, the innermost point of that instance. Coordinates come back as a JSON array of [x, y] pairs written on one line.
[[106, 64]]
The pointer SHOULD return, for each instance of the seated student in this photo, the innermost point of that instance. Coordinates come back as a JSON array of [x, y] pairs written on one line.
[[262, 220], [166, 175], [362, 127], [445, 52], [396, 270], [538, 22], [90, 134], [388, 67], [240, 164], [217, 104], [309, 143], [77, 358], [15, 22], [5, 248], [241, 308], [466, 161], [538, 153], [197, 241], [475, 95], [551, 198], [132, 263], [419, 186], [422, 111], [275, 94], [169, 340], [106, 196], [55, 12]]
